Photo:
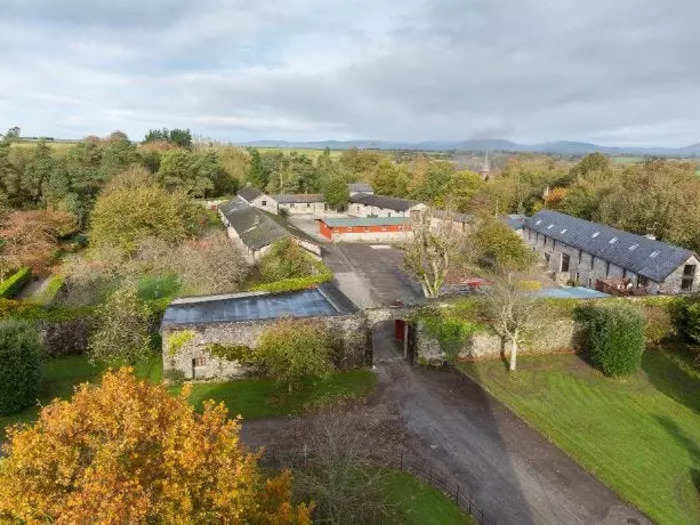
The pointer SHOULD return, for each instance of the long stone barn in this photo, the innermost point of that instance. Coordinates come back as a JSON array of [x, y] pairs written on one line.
[[240, 319], [602, 257]]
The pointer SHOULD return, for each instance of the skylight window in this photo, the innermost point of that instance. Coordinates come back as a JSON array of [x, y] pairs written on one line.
[[550, 226], [613, 240], [538, 221], [654, 253], [595, 234], [633, 247], [564, 230]]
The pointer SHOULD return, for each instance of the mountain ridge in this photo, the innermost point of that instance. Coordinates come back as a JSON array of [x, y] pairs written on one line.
[[562, 147]]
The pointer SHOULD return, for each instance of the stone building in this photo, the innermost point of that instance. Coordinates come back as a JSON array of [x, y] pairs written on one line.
[[240, 319], [360, 187], [370, 205], [598, 256], [301, 204], [254, 232], [258, 199]]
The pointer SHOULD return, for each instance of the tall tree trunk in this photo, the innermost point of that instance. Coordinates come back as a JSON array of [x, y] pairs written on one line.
[[513, 353]]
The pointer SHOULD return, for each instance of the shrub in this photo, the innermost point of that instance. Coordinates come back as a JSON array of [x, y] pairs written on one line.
[[154, 287], [285, 260], [20, 366], [686, 318], [295, 283], [615, 337], [292, 350], [11, 286], [65, 337]]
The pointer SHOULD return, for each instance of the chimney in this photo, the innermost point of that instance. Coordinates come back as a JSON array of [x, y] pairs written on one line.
[[650, 236]]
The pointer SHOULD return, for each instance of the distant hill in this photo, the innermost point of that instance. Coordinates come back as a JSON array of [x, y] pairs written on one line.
[[561, 147]]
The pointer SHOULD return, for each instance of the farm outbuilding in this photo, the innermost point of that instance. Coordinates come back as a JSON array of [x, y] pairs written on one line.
[[365, 229]]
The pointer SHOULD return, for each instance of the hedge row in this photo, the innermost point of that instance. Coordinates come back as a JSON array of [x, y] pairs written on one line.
[[295, 283], [28, 311], [11, 286], [49, 293]]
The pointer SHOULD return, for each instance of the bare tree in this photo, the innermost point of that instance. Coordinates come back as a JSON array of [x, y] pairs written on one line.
[[433, 250], [515, 312], [343, 474]]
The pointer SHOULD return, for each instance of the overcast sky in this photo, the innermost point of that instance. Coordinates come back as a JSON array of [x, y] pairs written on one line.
[[623, 72]]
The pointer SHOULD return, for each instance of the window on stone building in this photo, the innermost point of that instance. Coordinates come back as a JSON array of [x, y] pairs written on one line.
[[688, 277], [199, 361], [580, 254], [264, 203], [607, 268], [565, 261], [642, 281], [592, 261]]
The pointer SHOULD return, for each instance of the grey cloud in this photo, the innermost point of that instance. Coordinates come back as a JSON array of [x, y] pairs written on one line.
[[619, 73]]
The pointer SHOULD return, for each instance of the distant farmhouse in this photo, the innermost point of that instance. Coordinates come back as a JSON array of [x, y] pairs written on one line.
[[254, 231], [608, 259], [370, 205], [368, 218]]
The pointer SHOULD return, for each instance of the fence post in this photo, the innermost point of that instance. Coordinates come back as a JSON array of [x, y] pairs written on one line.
[[401, 468], [457, 498]]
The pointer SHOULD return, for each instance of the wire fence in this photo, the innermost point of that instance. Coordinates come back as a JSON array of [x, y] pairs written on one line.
[[404, 462]]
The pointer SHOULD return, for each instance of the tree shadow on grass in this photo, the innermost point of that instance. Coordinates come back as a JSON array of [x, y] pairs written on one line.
[[670, 379], [688, 444]]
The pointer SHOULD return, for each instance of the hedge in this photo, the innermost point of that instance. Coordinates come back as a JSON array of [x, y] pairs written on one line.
[[13, 309], [295, 283], [614, 336], [11, 286], [50, 291], [20, 366]]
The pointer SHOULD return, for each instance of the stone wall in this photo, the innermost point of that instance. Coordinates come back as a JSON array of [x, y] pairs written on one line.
[[561, 335], [195, 362]]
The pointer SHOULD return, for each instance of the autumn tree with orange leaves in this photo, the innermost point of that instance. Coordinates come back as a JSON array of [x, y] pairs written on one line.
[[126, 451]]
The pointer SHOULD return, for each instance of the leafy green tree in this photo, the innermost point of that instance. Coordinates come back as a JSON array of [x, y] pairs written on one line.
[[122, 335], [496, 245], [156, 135], [293, 350], [194, 173], [258, 174], [181, 137], [20, 366], [125, 216], [336, 193], [38, 172], [593, 162], [118, 154]]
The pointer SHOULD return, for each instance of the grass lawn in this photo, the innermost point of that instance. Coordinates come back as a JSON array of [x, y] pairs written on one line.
[[255, 398], [251, 398], [640, 435], [420, 504]]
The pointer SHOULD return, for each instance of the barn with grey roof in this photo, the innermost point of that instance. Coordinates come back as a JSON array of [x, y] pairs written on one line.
[[597, 255]]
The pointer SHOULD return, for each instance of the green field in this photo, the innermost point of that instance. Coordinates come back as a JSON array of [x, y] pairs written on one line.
[[420, 504], [251, 398], [640, 436]]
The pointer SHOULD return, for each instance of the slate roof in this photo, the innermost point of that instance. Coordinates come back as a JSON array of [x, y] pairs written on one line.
[[515, 221], [382, 201], [255, 228], [325, 300], [287, 198], [360, 187], [647, 257], [365, 221], [249, 193]]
